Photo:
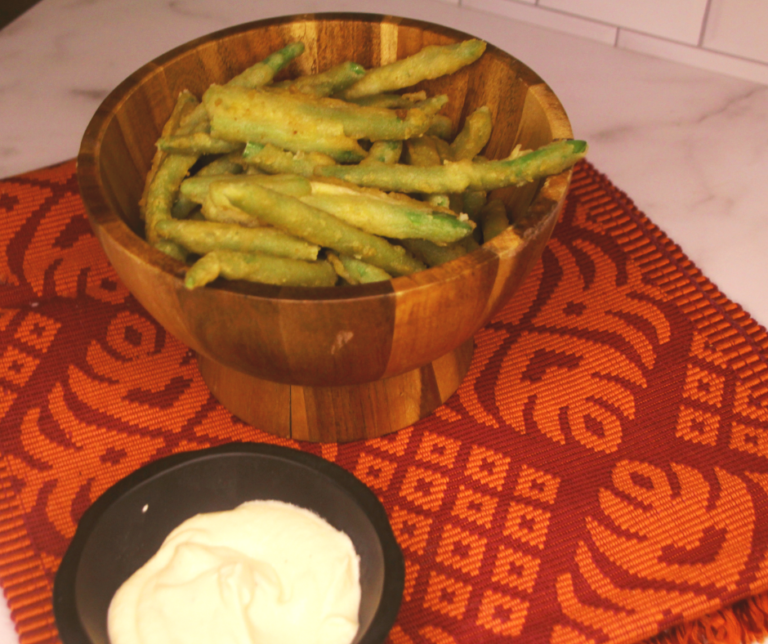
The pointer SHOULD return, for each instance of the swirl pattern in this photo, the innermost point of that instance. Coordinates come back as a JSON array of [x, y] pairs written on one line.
[[599, 476]]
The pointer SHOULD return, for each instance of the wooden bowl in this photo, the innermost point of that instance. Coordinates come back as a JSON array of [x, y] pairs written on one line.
[[324, 364]]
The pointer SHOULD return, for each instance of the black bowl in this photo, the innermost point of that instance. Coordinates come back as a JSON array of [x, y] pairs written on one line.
[[127, 524]]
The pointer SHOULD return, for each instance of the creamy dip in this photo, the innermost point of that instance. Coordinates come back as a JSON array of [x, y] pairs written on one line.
[[266, 572]]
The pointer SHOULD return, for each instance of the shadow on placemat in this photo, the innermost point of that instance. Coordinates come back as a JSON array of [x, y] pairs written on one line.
[[12, 9]]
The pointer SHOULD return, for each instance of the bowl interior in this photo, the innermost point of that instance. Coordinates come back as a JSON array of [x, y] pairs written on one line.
[[524, 110], [127, 525]]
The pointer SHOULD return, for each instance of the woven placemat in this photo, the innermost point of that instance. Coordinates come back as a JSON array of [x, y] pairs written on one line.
[[601, 475]]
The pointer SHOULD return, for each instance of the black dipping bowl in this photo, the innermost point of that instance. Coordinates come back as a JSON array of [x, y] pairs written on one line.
[[128, 523]]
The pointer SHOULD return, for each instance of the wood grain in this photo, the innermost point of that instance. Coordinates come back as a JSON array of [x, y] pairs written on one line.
[[326, 344]]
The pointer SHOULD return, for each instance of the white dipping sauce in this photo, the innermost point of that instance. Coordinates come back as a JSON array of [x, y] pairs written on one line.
[[266, 572]]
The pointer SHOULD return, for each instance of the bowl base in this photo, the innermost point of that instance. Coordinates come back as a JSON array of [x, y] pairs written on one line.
[[338, 414]]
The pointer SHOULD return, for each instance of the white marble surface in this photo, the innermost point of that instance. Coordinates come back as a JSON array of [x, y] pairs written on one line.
[[688, 146]]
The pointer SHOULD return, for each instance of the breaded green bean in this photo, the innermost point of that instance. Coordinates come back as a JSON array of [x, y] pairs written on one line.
[[196, 188], [199, 143], [170, 248], [163, 190], [384, 152], [185, 104], [462, 175], [391, 218], [432, 254], [354, 271], [316, 226], [473, 201], [227, 164], [297, 121], [422, 152], [258, 268], [441, 127], [273, 160], [439, 201], [329, 82], [431, 62], [442, 146], [493, 219], [338, 266], [392, 101], [216, 208], [262, 73], [473, 136], [363, 272], [202, 237], [256, 75], [244, 115]]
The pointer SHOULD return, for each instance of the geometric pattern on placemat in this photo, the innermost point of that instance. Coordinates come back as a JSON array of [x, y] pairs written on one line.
[[600, 475]]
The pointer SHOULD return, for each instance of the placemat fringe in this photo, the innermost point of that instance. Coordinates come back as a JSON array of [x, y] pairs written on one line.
[[744, 621]]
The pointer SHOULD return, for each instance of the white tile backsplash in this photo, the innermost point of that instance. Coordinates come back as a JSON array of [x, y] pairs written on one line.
[[679, 20], [693, 56], [543, 18], [738, 27], [725, 36]]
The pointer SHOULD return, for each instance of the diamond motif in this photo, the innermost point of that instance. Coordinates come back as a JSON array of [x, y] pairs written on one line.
[[537, 485], [424, 488], [487, 466], [446, 595], [461, 549]]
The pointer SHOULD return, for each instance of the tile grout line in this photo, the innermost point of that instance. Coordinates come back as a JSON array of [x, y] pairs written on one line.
[[704, 20]]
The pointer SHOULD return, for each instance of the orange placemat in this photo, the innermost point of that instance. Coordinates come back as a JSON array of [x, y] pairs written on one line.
[[600, 476]]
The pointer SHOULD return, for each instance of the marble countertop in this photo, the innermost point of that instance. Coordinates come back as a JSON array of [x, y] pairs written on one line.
[[688, 146]]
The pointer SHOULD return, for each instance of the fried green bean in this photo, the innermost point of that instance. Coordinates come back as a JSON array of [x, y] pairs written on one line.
[[295, 121], [432, 254], [384, 152], [243, 115], [462, 175], [185, 104], [363, 272], [441, 127], [338, 266], [493, 219], [422, 152], [256, 75], [473, 136], [172, 249], [472, 202], [273, 160], [258, 268], [262, 73], [431, 62], [163, 190], [202, 237], [335, 79], [231, 164], [216, 208], [391, 218], [196, 188], [198, 143], [163, 184], [392, 101], [317, 226]]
